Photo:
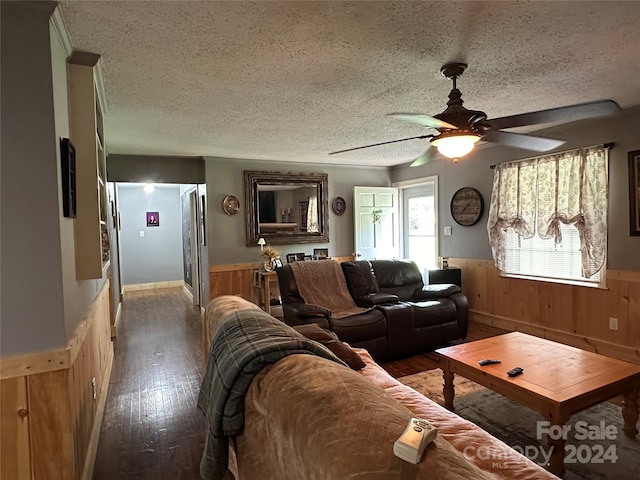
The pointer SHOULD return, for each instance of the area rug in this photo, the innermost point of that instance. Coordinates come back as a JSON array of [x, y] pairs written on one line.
[[597, 448]]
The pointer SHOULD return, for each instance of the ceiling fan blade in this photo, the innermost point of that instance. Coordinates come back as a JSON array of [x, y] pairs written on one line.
[[381, 143], [425, 158], [560, 114], [422, 119], [518, 140]]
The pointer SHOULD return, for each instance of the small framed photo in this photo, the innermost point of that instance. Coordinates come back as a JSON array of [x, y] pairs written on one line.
[[320, 252], [291, 257], [277, 262], [307, 258], [153, 219]]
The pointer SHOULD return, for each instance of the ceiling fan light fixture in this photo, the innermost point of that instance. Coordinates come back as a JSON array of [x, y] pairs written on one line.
[[455, 145]]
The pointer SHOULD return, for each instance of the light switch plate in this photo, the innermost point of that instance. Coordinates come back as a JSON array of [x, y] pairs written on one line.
[[141, 233], [447, 230]]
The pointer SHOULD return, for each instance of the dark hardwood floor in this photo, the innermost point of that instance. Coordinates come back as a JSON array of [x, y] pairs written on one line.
[[152, 428]]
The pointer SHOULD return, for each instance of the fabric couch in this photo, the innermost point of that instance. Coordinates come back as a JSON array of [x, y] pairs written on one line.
[[311, 418], [401, 316]]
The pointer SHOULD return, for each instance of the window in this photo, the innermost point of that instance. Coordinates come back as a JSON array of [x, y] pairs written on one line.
[[548, 217], [419, 219]]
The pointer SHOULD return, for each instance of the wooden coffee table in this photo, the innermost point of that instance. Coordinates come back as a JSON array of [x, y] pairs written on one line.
[[558, 380]]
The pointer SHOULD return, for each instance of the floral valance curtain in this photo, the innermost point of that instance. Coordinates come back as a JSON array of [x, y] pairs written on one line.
[[535, 195]]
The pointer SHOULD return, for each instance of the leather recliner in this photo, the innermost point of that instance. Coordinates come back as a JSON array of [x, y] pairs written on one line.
[[365, 330], [407, 317], [419, 317]]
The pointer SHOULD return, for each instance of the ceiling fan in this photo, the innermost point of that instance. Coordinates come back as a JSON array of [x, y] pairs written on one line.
[[458, 128]]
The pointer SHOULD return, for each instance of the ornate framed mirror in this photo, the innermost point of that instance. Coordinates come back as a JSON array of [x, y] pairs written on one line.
[[286, 207]]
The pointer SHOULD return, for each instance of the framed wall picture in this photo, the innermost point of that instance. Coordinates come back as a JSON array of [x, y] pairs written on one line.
[[153, 219], [338, 205], [68, 170], [634, 192]]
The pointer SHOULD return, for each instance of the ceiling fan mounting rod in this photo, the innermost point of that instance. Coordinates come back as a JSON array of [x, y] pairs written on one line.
[[453, 71]]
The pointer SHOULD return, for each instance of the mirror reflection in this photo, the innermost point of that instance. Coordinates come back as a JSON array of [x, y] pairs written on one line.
[[286, 207]]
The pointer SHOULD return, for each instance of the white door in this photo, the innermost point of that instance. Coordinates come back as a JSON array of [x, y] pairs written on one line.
[[376, 217]]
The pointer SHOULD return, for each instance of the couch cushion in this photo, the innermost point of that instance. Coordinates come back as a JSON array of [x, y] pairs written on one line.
[[433, 312], [357, 328], [360, 279], [398, 277], [330, 340], [396, 273]]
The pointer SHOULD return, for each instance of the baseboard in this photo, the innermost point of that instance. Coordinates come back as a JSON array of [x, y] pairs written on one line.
[[151, 286], [114, 327], [621, 352], [187, 292], [92, 449]]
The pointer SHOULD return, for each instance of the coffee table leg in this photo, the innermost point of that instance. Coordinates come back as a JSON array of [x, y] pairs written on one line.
[[630, 411], [448, 390], [556, 442]]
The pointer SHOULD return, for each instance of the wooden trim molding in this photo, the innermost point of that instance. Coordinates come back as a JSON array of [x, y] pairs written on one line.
[[136, 287], [51, 360]]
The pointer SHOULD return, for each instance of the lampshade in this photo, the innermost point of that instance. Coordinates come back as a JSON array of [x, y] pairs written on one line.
[[455, 145], [262, 243]]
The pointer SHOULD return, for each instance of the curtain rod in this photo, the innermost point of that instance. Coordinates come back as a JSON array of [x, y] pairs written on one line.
[[603, 145]]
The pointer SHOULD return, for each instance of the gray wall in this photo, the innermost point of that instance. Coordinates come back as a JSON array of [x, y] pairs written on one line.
[[41, 301], [226, 234], [472, 242], [156, 257]]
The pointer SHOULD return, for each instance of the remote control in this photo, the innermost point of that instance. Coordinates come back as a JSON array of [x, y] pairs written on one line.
[[515, 372], [488, 361], [415, 438]]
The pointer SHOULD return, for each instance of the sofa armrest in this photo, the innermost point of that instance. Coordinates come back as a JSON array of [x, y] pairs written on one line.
[[437, 290], [373, 299], [302, 313]]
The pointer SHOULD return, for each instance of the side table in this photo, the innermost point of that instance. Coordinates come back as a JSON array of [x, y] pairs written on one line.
[[265, 285]]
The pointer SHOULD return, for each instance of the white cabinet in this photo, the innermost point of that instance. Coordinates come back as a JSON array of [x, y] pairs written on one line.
[[86, 131]]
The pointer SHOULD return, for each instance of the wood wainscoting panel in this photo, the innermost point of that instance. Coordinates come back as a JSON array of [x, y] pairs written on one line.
[[14, 454], [52, 445], [237, 278], [233, 279], [571, 314], [49, 418]]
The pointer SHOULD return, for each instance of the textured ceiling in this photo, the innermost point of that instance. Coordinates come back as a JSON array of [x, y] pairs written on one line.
[[294, 81]]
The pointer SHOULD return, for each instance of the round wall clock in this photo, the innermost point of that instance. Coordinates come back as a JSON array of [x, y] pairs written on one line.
[[338, 205], [231, 205], [467, 206]]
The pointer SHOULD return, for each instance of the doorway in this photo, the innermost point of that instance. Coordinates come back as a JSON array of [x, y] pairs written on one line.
[[420, 226]]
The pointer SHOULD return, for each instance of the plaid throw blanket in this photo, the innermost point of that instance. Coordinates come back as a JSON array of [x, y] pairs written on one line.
[[245, 342]]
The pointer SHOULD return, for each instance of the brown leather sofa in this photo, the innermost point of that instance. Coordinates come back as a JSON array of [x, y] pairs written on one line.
[[366, 330], [406, 318]]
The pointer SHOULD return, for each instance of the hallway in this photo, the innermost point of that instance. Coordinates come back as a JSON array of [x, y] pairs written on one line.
[[151, 427]]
